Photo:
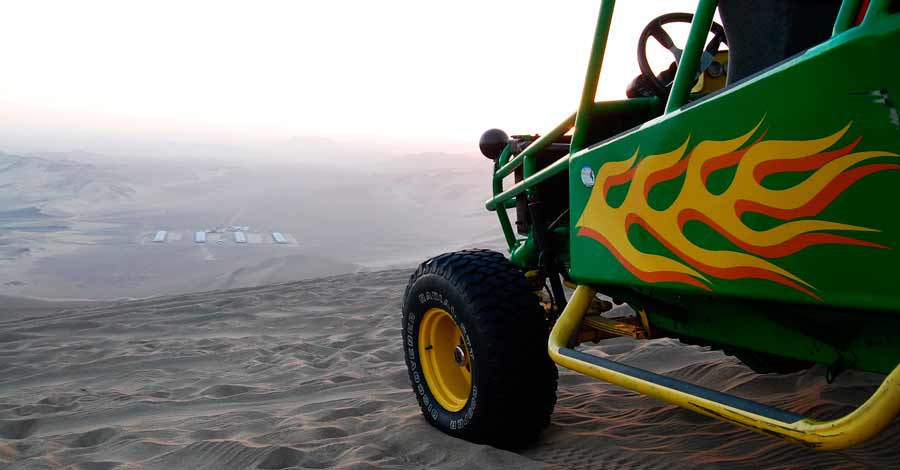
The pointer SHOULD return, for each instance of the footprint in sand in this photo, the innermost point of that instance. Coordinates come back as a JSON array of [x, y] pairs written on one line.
[[18, 429], [282, 457], [95, 437], [223, 391]]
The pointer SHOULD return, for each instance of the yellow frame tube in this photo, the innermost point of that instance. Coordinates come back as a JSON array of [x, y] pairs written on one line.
[[860, 425]]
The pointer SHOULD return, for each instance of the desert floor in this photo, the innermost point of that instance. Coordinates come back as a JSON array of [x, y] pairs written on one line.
[[310, 374]]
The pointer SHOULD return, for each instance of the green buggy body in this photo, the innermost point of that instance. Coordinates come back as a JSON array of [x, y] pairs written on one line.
[[753, 217]]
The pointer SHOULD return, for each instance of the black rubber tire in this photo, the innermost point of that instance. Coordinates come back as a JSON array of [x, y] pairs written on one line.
[[513, 378]]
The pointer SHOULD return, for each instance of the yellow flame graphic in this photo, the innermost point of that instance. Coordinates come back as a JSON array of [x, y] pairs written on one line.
[[833, 171]]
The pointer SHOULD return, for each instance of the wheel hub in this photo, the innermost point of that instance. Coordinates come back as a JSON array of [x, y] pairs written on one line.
[[459, 355], [445, 361]]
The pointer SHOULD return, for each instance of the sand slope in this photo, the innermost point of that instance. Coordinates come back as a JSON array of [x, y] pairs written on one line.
[[310, 375]]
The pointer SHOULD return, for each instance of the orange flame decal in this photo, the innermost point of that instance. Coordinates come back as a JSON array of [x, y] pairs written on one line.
[[833, 171]]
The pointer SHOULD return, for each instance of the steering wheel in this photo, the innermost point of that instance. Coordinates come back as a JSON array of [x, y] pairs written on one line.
[[655, 29]]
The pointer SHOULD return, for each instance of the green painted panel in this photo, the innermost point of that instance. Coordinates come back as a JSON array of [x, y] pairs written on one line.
[[780, 189]]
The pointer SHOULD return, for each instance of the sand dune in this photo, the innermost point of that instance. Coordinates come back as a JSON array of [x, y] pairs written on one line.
[[60, 186], [76, 229], [310, 375]]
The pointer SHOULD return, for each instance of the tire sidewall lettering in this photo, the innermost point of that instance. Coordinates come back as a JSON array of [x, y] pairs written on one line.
[[426, 298]]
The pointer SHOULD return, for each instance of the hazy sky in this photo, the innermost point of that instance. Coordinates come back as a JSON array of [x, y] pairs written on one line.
[[373, 70]]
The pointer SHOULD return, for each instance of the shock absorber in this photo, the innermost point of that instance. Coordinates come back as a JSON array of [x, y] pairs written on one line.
[[547, 259]]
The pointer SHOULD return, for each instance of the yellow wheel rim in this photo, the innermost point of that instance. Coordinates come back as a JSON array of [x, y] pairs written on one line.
[[445, 359]]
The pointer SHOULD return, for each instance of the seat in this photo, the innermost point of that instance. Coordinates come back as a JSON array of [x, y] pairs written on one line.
[[762, 33]]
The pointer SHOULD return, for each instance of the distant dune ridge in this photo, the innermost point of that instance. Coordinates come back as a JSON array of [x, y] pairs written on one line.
[[310, 374], [74, 225], [60, 187]]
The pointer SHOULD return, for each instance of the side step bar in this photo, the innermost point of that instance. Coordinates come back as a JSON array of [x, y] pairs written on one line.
[[860, 425]]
